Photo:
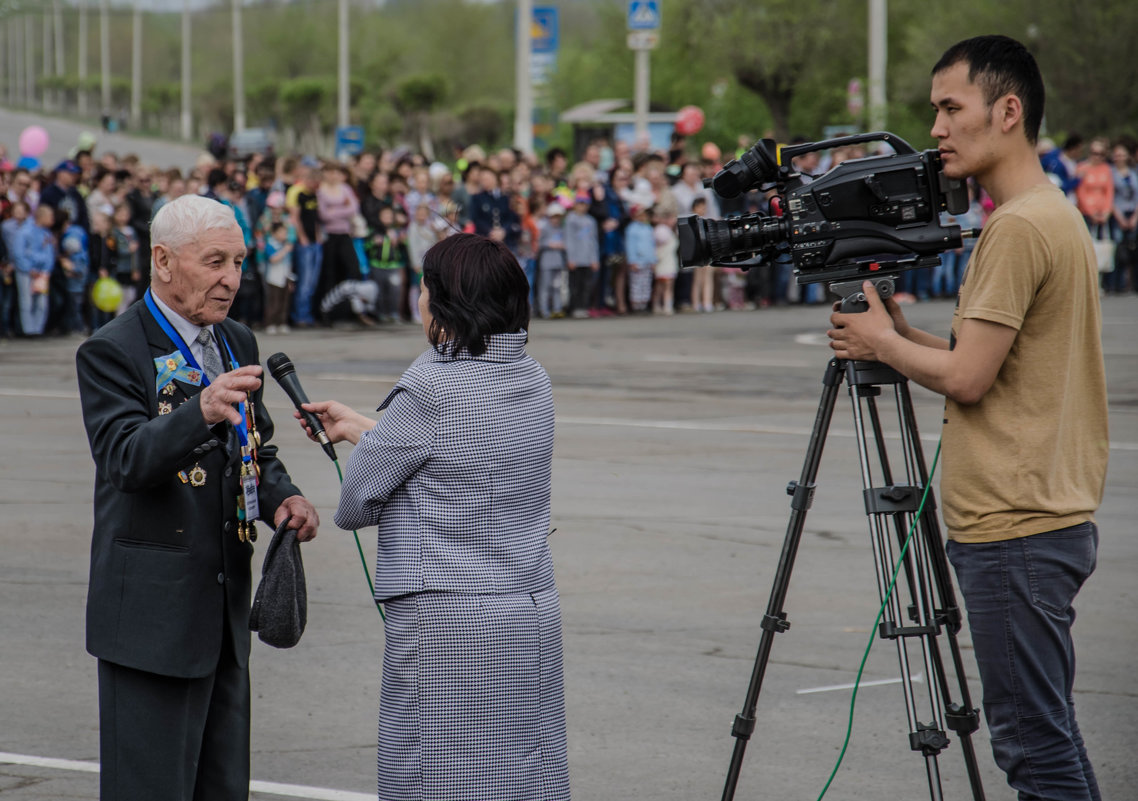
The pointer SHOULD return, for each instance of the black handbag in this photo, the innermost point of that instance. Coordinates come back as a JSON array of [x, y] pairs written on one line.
[[280, 606]]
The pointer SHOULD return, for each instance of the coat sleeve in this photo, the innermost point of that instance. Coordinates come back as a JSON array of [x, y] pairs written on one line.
[[386, 457]]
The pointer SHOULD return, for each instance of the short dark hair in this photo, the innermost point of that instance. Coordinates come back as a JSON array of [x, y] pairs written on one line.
[[477, 288], [1001, 66]]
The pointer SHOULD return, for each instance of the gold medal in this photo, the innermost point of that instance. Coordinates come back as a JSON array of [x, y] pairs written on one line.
[[165, 407], [169, 389], [197, 476]]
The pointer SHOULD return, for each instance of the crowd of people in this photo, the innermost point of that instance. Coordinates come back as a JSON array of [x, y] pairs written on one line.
[[329, 240]]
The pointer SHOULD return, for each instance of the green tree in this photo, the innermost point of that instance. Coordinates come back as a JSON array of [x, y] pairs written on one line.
[[416, 97]]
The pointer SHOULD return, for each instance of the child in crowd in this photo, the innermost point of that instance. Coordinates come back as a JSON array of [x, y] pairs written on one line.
[[7, 293], [525, 250], [34, 257], [387, 257], [703, 277], [551, 261], [101, 260], [582, 251], [421, 234], [19, 216], [667, 263], [75, 259], [640, 253], [279, 278], [420, 192], [125, 247]]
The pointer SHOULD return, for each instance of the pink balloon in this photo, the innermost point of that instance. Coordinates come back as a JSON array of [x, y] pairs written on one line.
[[689, 120], [33, 141]]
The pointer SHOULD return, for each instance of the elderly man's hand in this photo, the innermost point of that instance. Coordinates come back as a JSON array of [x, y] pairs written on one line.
[[218, 399], [301, 516]]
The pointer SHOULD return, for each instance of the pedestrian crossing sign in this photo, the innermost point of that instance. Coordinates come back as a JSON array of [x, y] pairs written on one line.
[[643, 15]]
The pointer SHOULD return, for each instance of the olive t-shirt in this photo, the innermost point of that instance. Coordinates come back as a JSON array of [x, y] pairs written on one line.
[[1031, 455]]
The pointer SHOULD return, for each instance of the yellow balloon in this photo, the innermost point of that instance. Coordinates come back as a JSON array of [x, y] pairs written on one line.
[[106, 294]]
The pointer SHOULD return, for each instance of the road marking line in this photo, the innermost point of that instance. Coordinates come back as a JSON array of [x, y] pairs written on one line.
[[267, 788], [708, 425], [365, 379], [737, 362], [835, 687], [38, 393], [748, 428], [674, 425]]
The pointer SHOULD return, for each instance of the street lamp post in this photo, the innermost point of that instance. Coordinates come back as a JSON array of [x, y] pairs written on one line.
[[105, 54], [342, 114], [82, 58], [47, 96], [136, 69], [238, 70], [187, 118], [523, 115], [59, 58], [878, 57]]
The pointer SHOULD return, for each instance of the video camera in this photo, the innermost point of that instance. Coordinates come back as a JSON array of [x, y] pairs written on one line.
[[868, 217]]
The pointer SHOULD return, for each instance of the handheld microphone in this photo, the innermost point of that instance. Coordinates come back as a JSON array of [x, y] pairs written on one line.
[[282, 370]]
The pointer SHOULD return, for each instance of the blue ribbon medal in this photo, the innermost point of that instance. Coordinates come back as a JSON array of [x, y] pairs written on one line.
[[173, 366]]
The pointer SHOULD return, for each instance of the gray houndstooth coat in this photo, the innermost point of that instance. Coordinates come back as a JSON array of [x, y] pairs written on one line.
[[457, 475]]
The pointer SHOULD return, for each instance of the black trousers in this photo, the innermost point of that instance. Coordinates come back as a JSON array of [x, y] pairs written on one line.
[[174, 739], [581, 283]]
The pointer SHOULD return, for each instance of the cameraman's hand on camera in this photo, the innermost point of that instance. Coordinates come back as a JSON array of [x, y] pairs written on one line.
[[860, 335]]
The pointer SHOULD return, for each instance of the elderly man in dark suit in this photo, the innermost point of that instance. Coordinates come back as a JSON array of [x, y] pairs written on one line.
[[171, 395]]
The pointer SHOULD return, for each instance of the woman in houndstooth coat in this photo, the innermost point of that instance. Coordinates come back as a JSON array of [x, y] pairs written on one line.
[[457, 476]]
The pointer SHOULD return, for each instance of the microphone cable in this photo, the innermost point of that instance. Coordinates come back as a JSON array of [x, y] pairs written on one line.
[[360, 548]]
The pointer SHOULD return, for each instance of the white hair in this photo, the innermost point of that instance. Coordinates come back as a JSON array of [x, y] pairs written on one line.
[[181, 221]]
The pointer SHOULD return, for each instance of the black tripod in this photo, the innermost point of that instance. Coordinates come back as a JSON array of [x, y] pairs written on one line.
[[928, 607]]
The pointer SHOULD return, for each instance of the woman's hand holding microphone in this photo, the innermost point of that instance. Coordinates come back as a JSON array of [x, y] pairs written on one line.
[[341, 424]]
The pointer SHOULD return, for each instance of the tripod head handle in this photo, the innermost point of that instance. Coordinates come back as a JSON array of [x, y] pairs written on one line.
[[852, 295]]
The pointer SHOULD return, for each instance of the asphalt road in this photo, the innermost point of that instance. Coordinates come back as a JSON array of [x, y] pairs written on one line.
[[63, 135], [676, 438]]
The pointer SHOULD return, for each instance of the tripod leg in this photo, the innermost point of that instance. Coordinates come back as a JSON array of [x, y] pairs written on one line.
[[774, 621], [901, 624], [962, 718], [923, 566]]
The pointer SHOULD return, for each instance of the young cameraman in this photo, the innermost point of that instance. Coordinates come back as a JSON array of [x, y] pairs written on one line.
[[1025, 429]]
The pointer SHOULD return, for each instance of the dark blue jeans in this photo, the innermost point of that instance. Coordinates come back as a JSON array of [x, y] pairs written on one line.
[[308, 280], [1018, 594]]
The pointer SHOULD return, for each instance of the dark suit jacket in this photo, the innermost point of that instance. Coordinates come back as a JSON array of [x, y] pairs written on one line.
[[486, 211], [167, 567]]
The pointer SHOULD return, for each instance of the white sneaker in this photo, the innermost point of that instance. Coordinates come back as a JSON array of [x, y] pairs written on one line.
[[270, 329]]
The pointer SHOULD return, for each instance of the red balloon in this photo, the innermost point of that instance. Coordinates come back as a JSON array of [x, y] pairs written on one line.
[[689, 120]]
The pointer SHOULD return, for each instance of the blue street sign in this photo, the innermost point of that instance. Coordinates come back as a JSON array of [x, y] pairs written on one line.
[[643, 15], [349, 141], [544, 36]]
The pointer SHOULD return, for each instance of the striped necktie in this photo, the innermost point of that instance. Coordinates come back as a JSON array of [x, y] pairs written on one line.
[[211, 361]]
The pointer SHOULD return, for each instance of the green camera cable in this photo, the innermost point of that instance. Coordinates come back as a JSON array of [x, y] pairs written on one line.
[[880, 612], [360, 548]]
